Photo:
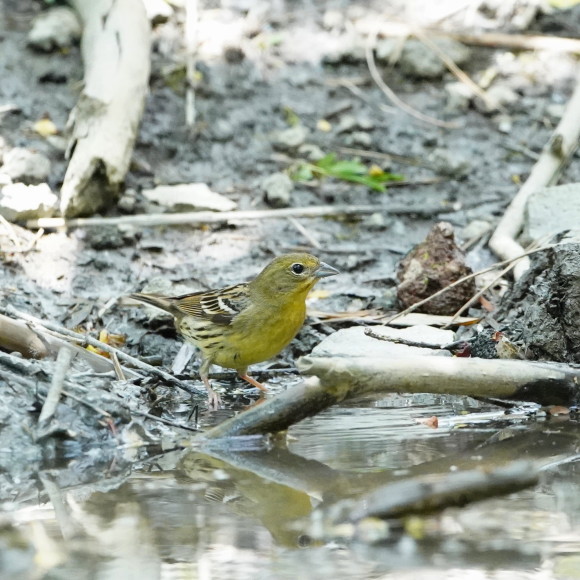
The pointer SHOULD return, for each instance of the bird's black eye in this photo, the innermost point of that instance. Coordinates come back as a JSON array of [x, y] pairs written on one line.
[[297, 268]]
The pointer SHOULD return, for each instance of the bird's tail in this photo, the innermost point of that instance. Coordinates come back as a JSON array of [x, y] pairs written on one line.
[[161, 302]]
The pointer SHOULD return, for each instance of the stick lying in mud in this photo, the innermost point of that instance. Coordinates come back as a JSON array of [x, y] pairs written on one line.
[[67, 335], [209, 217], [339, 379], [555, 156]]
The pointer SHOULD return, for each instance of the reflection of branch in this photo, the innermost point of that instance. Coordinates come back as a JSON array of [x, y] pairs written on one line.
[[430, 494]]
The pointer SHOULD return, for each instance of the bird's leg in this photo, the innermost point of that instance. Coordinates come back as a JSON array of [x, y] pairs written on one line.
[[213, 399], [244, 375]]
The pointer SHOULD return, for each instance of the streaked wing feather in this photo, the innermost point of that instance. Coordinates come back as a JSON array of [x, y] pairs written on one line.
[[219, 306]]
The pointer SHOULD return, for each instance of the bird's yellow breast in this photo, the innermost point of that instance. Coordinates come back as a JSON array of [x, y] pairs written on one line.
[[256, 336]]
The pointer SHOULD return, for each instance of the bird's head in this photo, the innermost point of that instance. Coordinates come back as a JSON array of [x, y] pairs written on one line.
[[291, 275]]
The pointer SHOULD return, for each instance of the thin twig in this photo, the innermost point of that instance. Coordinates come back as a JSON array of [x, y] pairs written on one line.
[[309, 237], [158, 419], [191, 20], [85, 339], [480, 293], [348, 84], [464, 279], [490, 39], [546, 171], [63, 362], [117, 366], [207, 217], [86, 404], [415, 161], [462, 76], [404, 341], [11, 233], [390, 94]]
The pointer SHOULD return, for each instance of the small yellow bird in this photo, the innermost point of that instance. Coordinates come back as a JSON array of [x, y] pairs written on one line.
[[248, 323]]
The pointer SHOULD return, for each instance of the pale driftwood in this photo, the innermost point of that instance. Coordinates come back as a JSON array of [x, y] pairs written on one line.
[[489, 39], [519, 41], [63, 362], [503, 379], [16, 336], [116, 54], [212, 217], [338, 379], [64, 335], [546, 171]]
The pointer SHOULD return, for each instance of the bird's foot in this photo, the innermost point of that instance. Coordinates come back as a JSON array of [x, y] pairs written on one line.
[[214, 401], [253, 382]]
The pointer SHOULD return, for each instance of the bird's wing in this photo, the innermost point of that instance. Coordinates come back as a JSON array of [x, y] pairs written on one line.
[[219, 306]]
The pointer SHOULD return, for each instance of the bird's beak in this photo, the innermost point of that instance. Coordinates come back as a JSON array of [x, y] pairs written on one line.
[[324, 270]]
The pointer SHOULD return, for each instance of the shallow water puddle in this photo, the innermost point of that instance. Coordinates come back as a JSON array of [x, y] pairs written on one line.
[[225, 514]]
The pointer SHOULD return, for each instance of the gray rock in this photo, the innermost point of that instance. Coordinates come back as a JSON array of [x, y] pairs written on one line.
[[498, 97], [222, 130], [19, 202], [290, 139], [419, 61], [311, 152], [277, 189], [56, 28], [358, 139], [386, 49], [504, 123], [349, 123], [333, 19], [475, 229], [458, 97], [158, 11], [26, 166], [555, 111], [552, 210], [375, 221], [353, 342], [450, 164], [188, 197]]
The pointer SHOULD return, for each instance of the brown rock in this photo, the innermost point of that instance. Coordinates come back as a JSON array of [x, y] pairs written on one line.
[[432, 265]]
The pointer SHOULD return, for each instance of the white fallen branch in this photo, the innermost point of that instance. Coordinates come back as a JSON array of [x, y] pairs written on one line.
[[213, 217], [337, 379], [546, 171], [116, 54]]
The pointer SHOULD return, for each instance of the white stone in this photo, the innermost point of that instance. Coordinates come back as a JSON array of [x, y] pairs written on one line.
[[552, 210], [189, 197], [56, 28], [19, 202], [278, 189], [26, 166], [353, 342]]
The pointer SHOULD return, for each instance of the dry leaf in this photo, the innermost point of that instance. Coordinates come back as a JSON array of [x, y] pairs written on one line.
[[45, 127], [431, 422]]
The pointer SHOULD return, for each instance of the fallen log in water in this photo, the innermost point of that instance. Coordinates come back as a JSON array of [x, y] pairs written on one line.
[[339, 379]]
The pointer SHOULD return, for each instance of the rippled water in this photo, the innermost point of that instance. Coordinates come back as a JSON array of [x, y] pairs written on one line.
[[224, 515]]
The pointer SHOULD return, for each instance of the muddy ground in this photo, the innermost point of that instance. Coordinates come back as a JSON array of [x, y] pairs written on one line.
[[287, 63]]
